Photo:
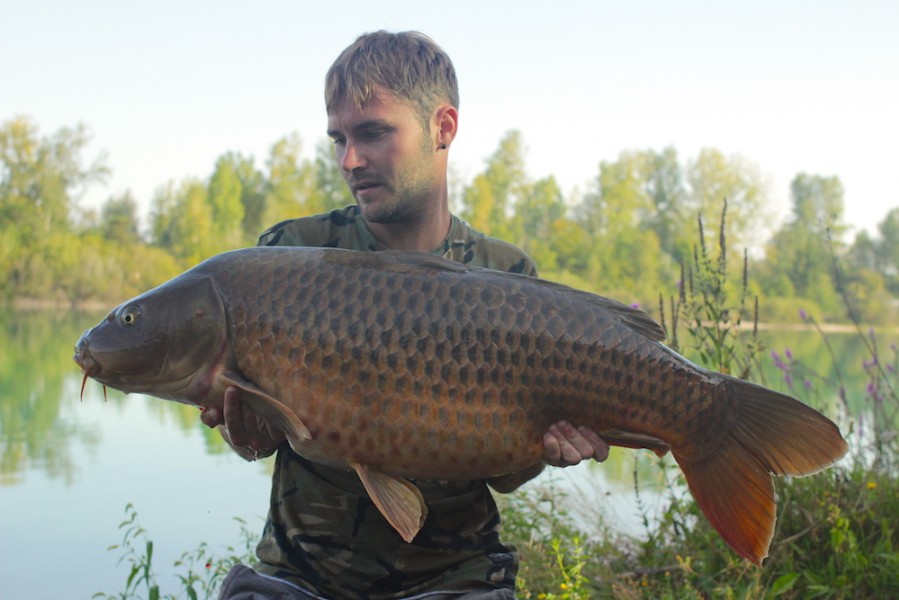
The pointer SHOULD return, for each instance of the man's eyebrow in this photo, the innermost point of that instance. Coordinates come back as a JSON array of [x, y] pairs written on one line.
[[363, 126]]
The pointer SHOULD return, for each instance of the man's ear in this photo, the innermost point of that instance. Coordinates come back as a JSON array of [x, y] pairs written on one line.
[[446, 124]]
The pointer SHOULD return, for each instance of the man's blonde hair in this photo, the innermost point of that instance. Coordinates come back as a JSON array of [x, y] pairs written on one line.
[[409, 64]]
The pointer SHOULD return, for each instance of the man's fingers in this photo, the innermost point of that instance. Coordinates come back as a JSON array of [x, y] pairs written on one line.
[[238, 432], [552, 451], [563, 445], [212, 417], [575, 447], [600, 447]]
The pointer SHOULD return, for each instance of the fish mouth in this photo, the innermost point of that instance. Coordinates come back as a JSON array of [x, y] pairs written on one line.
[[89, 366], [83, 357]]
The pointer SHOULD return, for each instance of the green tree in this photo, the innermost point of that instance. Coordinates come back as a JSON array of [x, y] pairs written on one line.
[[490, 202], [225, 195], [624, 255], [801, 252], [863, 254], [40, 178], [887, 250], [163, 214], [252, 191], [194, 232], [714, 178], [541, 207], [119, 221], [181, 221], [40, 181], [672, 216], [292, 190], [329, 181]]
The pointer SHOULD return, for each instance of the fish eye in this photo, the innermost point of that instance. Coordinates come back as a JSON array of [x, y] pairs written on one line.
[[129, 316]]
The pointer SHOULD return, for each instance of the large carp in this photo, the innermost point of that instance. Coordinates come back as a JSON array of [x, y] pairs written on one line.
[[408, 365]]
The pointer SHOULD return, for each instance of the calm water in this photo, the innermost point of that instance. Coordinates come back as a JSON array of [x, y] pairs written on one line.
[[69, 467]]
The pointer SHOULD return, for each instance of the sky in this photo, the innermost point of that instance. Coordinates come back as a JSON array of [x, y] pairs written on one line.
[[166, 87]]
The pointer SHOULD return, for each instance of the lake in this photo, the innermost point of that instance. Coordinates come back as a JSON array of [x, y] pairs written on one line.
[[70, 465]]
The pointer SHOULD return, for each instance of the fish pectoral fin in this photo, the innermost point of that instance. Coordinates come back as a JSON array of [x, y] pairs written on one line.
[[398, 499], [268, 407], [629, 439]]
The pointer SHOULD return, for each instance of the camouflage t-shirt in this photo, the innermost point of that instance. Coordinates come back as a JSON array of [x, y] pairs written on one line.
[[323, 532]]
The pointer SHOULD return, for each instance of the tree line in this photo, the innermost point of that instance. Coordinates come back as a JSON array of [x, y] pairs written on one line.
[[629, 235]]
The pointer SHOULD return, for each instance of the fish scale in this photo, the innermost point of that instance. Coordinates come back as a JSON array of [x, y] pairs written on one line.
[[404, 365]]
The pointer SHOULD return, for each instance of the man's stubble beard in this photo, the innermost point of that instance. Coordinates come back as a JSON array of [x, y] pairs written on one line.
[[411, 193]]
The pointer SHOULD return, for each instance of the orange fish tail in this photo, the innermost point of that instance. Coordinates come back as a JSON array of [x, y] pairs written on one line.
[[772, 434]]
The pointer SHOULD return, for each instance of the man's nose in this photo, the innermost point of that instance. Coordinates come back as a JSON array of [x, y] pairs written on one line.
[[352, 159]]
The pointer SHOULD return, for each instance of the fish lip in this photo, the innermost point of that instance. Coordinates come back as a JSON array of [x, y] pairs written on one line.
[[84, 359]]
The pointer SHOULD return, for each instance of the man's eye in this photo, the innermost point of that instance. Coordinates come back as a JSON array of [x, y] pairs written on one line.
[[371, 135]]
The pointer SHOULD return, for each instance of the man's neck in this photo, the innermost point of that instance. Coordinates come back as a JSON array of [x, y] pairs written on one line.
[[421, 236]]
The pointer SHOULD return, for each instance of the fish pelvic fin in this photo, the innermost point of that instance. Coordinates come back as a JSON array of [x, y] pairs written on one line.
[[268, 407], [630, 439], [773, 434], [398, 499]]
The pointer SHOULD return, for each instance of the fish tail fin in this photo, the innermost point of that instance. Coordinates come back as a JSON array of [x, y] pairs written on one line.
[[773, 434]]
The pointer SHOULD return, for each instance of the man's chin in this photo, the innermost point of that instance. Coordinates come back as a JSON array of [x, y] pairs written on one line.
[[375, 211]]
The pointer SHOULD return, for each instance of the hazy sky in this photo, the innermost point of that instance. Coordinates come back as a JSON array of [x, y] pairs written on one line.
[[168, 86]]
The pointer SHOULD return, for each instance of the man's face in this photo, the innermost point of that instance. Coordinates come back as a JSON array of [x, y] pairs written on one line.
[[386, 157]]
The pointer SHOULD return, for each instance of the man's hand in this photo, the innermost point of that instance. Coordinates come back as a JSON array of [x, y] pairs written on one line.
[[563, 445], [249, 435]]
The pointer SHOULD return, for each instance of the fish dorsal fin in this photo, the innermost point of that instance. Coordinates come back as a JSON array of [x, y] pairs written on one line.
[[634, 318], [419, 262], [268, 407], [398, 499]]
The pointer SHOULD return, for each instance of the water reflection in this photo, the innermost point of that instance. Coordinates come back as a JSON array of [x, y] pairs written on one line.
[[69, 467], [34, 369]]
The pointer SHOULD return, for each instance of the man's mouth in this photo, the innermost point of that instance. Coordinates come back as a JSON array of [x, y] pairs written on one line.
[[365, 185]]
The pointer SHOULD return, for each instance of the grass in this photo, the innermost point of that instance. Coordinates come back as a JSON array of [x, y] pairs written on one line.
[[199, 572]]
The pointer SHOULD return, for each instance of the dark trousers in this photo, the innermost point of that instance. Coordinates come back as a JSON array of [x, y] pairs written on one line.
[[243, 583]]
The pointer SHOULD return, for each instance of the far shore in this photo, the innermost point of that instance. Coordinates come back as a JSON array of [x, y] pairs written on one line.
[[825, 327], [97, 306]]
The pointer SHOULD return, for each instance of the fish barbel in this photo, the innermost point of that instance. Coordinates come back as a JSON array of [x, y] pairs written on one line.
[[406, 365]]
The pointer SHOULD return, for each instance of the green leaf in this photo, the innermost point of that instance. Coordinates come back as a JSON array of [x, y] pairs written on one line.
[[783, 583], [134, 570]]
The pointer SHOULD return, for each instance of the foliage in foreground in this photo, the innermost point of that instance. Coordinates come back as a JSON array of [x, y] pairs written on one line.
[[199, 572]]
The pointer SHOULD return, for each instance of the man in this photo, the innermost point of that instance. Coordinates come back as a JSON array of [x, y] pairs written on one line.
[[392, 103]]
